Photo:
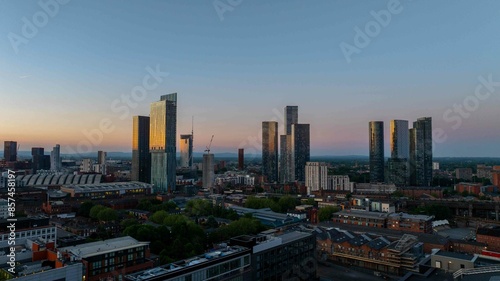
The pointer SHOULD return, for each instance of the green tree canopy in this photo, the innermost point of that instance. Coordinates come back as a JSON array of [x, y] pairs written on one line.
[[326, 213]]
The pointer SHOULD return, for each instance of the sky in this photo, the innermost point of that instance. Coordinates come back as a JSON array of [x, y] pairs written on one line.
[[71, 71]]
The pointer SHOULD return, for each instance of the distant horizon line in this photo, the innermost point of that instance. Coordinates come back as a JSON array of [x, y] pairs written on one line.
[[235, 154]]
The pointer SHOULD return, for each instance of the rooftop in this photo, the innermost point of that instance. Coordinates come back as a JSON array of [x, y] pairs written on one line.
[[81, 188], [187, 263], [362, 214], [455, 256], [103, 247]]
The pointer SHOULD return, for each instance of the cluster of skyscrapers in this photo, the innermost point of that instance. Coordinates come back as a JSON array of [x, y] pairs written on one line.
[[294, 148], [154, 145], [39, 159], [411, 153]]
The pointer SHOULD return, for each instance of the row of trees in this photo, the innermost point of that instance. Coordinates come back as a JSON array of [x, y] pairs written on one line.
[[197, 208], [281, 205]]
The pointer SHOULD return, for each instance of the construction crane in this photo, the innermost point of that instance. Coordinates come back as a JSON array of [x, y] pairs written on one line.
[[209, 145]]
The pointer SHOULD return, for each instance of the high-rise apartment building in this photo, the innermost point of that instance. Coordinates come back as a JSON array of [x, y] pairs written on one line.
[[55, 158], [40, 161], [270, 150], [285, 167], [141, 158], [291, 117], [376, 134], [301, 150], [162, 143], [10, 151], [101, 157], [316, 176], [208, 171], [398, 169], [421, 152], [186, 147], [241, 159]]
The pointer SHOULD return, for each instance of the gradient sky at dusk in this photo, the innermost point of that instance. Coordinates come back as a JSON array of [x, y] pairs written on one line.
[[234, 73]]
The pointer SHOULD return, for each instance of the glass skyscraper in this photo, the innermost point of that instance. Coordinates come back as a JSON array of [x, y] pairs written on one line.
[[162, 143], [186, 147], [10, 151], [376, 133], [270, 150], [421, 152], [400, 153], [291, 117], [141, 159], [286, 170], [301, 150]]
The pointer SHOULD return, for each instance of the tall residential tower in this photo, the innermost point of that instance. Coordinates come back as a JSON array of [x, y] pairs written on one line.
[[270, 150], [162, 143], [421, 152], [141, 158], [398, 173], [376, 133]]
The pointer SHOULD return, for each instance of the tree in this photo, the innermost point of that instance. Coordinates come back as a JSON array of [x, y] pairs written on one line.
[[287, 203], [159, 217], [84, 209], [325, 213], [94, 211], [107, 214]]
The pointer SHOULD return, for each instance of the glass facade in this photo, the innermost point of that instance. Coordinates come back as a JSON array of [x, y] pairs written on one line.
[[10, 151], [285, 158], [270, 150], [421, 152], [141, 160], [400, 153], [186, 147], [291, 117], [162, 143], [376, 133], [301, 150]]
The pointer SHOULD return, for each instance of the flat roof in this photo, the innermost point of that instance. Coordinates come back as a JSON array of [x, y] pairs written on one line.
[[455, 256], [115, 186], [293, 236], [103, 247], [363, 214], [187, 263]]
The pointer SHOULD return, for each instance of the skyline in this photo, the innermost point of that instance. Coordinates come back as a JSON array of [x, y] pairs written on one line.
[[67, 77]]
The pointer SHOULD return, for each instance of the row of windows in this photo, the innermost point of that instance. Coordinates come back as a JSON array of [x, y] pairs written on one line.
[[33, 233]]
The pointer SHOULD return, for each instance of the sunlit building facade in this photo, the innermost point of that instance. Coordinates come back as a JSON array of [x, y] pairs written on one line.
[[398, 173], [270, 150], [186, 147], [162, 143]]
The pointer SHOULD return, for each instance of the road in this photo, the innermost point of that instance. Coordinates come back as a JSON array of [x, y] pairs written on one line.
[[333, 272]]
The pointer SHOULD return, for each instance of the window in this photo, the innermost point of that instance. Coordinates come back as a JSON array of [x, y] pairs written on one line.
[[462, 266], [438, 264]]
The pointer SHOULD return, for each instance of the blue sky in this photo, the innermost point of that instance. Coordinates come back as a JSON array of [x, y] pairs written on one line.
[[234, 73]]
